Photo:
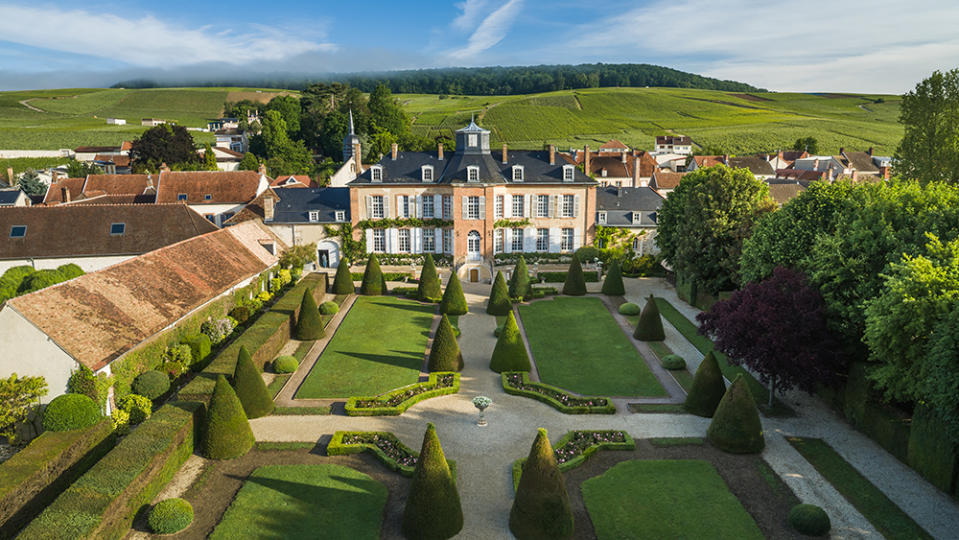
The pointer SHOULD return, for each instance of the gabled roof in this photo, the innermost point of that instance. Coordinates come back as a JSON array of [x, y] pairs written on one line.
[[665, 180], [624, 204], [74, 187], [861, 161], [294, 205], [95, 185], [708, 161], [98, 317], [118, 160], [755, 164], [295, 181], [614, 166], [9, 197], [69, 230], [613, 144], [783, 191], [234, 187]]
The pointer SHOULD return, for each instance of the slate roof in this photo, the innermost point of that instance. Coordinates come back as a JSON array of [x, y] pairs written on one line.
[[294, 204], [8, 197], [755, 164], [69, 230], [620, 204], [238, 187], [97, 317]]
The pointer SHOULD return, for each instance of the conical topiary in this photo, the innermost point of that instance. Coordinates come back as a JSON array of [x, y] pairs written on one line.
[[499, 302], [541, 509], [343, 282], [309, 324], [433, 508], [613, 283], [430, 289], [736, 427], [373, 282], [510, 351], [227, 432], [445, 353], [650, 327], [708, 388], [575, 284], [519, 286], [250, 388], [454, 301]]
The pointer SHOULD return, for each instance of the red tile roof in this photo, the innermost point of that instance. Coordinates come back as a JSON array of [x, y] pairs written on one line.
[[54, 194], [304, 181], [708, 161], [98, 317], [613, 143], [666, 180], [119, 161], [95, 185], [96, 149], [126, 146], [238, 187]]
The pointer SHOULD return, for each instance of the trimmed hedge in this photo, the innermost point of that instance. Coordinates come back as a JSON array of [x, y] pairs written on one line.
[[152, 384], [708, 388], [519, 284], [71, 411], [541, 508], [373, 283], [285, 364], [555, 397], [736, 427], [576, 459], [309, 323], [575, 284], [433, 507], [542, 292], [499, 301], [414, 393], [560, 277], [343, 282], [170, 516], [200, 347], [650, 326], [673, 362], [387, 448], [454, 301], [227, 432], [329, 308], [629, 308], [809, 519], [445, 354], [613, 283], [510, 354], [34, 476], [250, 388], [931, 452], [429, 289], [102, 503]]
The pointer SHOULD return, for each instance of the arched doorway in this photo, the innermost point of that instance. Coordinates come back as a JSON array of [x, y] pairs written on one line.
[[327, 254], [473, 246]]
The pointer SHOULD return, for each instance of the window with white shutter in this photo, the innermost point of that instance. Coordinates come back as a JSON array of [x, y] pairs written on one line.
[[542, 206], [566, 210], [566, 240], [429, 240], [518, 206], [498, 241], [498, 207], [428, 207], [379, 240], [542, 239], [376, 207]]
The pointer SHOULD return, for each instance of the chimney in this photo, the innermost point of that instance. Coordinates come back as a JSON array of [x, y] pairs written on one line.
[[64, 194], [869, 151], [586, 168], [842, 151], [505, 158], [262, 169], [636, 172], [11, 179], [393, 149], [726, 159], [357, 158], [623, 155], [552, 155], [884, 172], [164, 167], [815, 165], [54, 177], [268, 207], [439, 151]]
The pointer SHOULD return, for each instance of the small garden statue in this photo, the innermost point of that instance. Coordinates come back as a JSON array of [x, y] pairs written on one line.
[[481, 403]]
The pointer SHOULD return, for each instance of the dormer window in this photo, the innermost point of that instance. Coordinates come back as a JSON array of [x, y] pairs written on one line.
[[603, 172], [472, 173], [427, 171], [340, 215], [116, 229], [314, 215], [568, 173], [637, 217], [601, 217], [518, 173], [181, 196], [376, 173], [208, 197], [473, 140], [18, 231]]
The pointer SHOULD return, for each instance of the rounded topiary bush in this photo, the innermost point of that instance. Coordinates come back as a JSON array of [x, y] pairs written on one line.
[[69, 412], [170, 516], [809, 519], [151, 384], [329, 308], [629, 308], [673, 362], [285, 364], [498, 330], [138, 407]]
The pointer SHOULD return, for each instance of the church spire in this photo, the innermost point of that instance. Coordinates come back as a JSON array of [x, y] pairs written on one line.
[[351, 122]]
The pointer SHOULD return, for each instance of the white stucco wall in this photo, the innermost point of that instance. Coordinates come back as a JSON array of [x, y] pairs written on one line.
[[308, 233], [344, 175], [25, 350]]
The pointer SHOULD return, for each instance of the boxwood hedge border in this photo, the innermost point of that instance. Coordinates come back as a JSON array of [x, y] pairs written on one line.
[[352, 409], [627, 444], [609, 408], [337, 447]]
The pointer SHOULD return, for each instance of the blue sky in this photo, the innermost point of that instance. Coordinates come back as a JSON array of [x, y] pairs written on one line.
[[814, 45]]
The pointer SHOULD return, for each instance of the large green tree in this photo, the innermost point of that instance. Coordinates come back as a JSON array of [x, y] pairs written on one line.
[[929, 150], [17, 396], [703, 222], [167, 143], [283, 154]]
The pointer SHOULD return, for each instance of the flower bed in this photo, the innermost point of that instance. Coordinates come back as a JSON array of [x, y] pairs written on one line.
[[575, 447], [518, 383], [383, 444], [395, 402]]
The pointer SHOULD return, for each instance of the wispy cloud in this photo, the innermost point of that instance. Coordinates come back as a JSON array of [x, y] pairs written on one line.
[[146, 41], [490, 31], [472, 12]]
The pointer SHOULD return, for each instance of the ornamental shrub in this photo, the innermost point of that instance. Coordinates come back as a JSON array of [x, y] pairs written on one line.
[[629, 308], [343, 282], [454, 301], [200, 346], [309, 324], [433, 509], [41, 279], [650, 327], [736, 427], [613, 282], [121, 421], [708, 388], [499, 301], [138, 407], [227, 432], [541, 509], [69, 412], [575, 284], [151, 384], [445, 353], [240, 313], [673, 362], [329, 308], [83, 381], [519, 286], [250, 388], [285, 364], [70, 271], [373, 282], [170, 516], [510, 351], [429, 289], [809, 520]]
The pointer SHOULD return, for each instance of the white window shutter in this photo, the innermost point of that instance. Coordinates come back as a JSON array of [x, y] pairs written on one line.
[[369, 207], [554, 239], [529, 237], [418, 208], [577, 239], [438, 240], [507, 240], [452, 242], [438, 206], [399, 206], [482, 207], [394, 240], [369, 240], [386, 206], [507, 206], [575, 206], [553, 206]]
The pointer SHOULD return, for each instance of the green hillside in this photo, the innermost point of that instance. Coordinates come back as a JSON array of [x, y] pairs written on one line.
[[737, 123]]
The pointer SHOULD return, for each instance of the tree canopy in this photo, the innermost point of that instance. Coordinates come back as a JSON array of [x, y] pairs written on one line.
[[167, 143], [929, 150]]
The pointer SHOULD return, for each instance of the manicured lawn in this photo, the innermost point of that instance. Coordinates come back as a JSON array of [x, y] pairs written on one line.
[[379, 346], [305, 501], [579, 346], [665, 499], [888, 518]]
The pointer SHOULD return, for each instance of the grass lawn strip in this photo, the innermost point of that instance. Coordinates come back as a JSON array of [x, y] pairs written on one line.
[[666, 442], [650, 499], [300, 501], [379, 346], [573, 337], [872, 503]]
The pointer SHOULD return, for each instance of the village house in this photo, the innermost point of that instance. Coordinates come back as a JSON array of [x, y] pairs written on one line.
[[233, 139], [102, 189], [614, 164], [216, 196], [664, 182], [11, 197], [633, 209], [674, 144], [226, 159]]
